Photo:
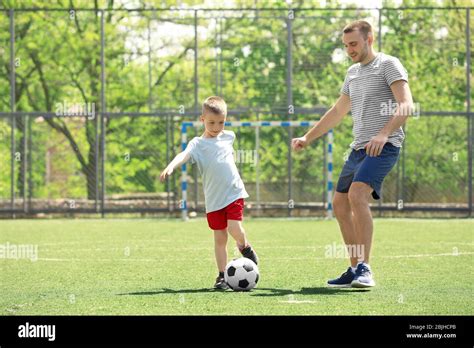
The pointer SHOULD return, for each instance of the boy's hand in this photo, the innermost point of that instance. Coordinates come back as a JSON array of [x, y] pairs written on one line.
[[299, 144], [165, 173]]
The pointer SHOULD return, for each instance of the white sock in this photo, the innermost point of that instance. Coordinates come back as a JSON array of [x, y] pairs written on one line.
[[353, 269], [368, 266]]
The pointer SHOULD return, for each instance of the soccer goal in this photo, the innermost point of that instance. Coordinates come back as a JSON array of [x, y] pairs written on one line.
[[257, 126]]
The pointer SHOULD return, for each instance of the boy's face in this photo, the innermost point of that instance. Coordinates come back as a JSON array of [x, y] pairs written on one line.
[[213, 123]]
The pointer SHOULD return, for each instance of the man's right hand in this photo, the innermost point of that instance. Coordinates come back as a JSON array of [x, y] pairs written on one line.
[[299, 144]]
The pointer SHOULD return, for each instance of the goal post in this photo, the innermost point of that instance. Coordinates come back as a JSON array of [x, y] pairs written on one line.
[[257, 125]]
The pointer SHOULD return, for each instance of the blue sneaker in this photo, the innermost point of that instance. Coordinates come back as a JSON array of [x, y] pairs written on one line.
[[344, 281], [363, 277]]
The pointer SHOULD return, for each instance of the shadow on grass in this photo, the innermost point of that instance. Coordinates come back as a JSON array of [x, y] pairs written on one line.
[[263, 292], [305, 291], [171, 291]]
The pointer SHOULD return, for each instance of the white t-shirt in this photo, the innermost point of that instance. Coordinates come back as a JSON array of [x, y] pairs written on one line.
[[220, 178]]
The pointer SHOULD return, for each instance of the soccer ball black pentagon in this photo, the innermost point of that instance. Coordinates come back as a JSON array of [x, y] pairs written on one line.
[[241, 274]]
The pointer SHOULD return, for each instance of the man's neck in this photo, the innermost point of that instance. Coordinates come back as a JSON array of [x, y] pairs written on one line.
[[370, 57]]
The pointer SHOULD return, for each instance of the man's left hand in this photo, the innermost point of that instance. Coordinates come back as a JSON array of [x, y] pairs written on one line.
[[375, 146]]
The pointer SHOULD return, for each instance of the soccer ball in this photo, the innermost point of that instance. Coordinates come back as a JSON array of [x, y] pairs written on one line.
[[241, 274]]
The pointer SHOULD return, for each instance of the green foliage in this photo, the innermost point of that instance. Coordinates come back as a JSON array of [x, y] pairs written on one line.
[[149, 66]]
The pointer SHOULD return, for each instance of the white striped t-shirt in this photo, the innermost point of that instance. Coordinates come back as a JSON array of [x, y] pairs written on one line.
[[372, 100]]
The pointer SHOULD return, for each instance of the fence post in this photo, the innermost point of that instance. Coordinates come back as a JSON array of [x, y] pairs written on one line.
[[470, 130], [184, 179], [24, 159], [30, 171], [289, 106], [168, 130], [379, 41], [257, 169], [196, 96], [217, 51], [325, 171], [103, 108], [330, 136], [12, 109]]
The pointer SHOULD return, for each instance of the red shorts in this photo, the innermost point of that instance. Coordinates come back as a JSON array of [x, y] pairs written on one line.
[[217, 220]]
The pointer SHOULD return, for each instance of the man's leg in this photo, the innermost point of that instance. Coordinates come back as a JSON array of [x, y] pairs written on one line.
[[359, 196], [343, 213]]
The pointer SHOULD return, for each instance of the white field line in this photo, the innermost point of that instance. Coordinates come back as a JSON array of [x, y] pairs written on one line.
[[141, 248], [428, 255], [101, 242], [297, 302], [279, 258]]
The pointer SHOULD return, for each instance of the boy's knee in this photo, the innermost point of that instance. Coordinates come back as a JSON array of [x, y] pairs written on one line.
[[236, 227], [220, 236]]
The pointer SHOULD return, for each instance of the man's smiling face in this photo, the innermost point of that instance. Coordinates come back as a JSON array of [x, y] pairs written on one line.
[[356, 46]]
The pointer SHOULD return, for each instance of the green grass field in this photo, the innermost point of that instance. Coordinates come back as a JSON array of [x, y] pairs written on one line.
[[166, 267]]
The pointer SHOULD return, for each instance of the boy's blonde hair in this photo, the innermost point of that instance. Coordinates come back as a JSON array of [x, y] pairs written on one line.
[[215, 105]]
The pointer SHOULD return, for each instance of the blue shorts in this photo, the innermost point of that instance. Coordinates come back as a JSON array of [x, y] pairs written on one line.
[[371, 170]]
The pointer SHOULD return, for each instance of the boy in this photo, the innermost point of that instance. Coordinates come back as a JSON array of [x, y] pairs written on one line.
[[224, 191]]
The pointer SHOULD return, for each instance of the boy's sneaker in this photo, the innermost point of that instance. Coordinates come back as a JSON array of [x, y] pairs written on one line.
[[363, 277], [249, 253], [220, 283], [344, 281]]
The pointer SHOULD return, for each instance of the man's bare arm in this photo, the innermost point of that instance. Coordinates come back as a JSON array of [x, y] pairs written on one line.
[[330, 120], [402, 94]]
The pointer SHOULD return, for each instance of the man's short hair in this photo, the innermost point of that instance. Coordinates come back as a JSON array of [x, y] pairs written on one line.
[[364, 27], [215, 105]]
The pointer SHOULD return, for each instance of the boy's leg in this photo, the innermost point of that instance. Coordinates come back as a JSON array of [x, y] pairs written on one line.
[[220, 249], [218, 223], [236, 230]]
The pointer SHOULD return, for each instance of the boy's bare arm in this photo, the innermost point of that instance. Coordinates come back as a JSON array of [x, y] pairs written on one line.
[[176, 162], [330, 120]]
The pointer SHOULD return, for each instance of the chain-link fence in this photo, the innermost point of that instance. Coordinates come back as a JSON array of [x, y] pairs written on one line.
[[92, 102]]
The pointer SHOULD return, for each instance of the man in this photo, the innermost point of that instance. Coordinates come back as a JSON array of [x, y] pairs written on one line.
[[377, 93]]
